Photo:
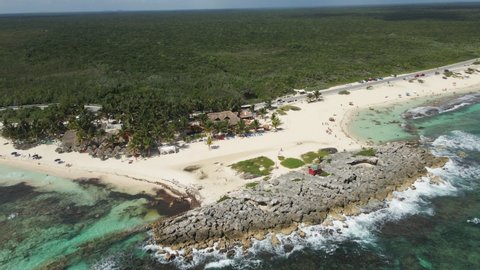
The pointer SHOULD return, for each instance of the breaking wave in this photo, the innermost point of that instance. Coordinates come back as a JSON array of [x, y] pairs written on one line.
[[361, 229], [428, 111], [457, 140]]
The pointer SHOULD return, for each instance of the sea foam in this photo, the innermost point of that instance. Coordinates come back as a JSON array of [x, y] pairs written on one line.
[[448, 106], [362, 228], [457, 140]]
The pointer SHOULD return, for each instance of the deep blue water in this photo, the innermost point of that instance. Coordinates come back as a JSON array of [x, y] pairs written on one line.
[[79, 225], [429, 227]]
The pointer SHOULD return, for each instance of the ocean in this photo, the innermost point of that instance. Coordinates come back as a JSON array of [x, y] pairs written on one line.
[[47, 221]]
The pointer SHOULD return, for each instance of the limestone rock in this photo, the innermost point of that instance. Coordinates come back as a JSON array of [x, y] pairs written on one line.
[[280, 204]]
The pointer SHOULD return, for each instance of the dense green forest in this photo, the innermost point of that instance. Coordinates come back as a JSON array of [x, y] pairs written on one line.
[[150, 70], [230, 55]]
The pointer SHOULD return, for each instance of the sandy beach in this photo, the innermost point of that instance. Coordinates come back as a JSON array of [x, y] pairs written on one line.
[[302, 131]]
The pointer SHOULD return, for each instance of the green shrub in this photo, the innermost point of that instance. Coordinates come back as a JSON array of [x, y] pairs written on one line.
[[324, 174], [448, 73], [284, 109], [310, 157], [223, 198], [251, 185], [344, 92], [260, 166], [292, 163]]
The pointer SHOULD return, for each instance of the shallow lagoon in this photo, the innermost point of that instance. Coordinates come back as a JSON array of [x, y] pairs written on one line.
[[57, 223]]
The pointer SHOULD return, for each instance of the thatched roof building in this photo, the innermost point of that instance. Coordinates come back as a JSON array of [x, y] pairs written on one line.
[[230, 116]]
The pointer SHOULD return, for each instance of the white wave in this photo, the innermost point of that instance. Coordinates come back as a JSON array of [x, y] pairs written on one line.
[[427, 111], [456, 107], [475, 221], [219, 264], [361, 229], [457, 140], [106, 264]]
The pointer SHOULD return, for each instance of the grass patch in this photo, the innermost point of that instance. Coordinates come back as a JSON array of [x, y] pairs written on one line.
[[344, 92], [292, 163], [297, 180], [290, 108], [223, 198], [251, 185], [366, 152], [310, 157], [284, 109], [260, 166], [448, 73], [192, 168], [281, 158], [324, 174]]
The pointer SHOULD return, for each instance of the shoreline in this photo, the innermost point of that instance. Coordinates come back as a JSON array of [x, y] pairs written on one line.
[[121, 183], [303, 131], [430, 100], [283, 205]]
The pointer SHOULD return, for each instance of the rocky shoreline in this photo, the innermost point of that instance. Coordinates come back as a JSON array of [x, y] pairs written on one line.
[[354, 184]]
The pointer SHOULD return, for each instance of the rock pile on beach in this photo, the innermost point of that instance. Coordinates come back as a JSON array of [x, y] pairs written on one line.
[[354, 185], [99, 147]]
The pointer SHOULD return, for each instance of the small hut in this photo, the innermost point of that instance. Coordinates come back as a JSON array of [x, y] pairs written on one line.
[[229, 116], [314, 169]]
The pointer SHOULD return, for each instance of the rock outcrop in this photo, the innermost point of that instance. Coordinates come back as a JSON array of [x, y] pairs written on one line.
[[280, 204]]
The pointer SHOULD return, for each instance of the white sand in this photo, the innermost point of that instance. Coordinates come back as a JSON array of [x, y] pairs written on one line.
[[302, 132]]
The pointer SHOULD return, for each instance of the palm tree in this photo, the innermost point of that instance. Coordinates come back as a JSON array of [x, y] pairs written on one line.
[[169, 133], [262, 112], [182, 126], [241, 127], [134, 146], [222, 127], [276, 121], [157, 133], [317, 94], [255, 125], [208, 127], [203, 118], [209, 142], [147, 144]]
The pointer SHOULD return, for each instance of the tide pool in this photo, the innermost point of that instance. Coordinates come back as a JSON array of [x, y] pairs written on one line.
[[48, 222]]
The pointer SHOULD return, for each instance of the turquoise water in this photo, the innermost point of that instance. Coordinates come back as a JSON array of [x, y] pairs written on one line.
[[437, 235], [425, 228], [53, 223], [382, 124], [61, 224]]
